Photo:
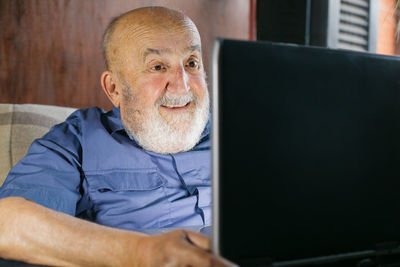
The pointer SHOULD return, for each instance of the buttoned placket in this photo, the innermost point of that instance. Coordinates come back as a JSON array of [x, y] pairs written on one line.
[[190, 189]]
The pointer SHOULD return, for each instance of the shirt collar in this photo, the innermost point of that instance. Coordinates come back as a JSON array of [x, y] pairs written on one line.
[[116, 125], [114, 121]]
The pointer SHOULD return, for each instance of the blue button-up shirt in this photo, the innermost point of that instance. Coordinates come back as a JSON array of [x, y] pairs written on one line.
[[88, 167]]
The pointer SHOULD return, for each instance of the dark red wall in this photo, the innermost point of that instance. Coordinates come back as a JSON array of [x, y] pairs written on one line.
[[50, 49]]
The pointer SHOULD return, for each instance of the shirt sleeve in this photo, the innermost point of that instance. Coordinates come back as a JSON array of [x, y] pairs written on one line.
[[50, 173]]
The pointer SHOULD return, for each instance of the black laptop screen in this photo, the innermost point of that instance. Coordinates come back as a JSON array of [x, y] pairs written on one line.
[[308, 151]]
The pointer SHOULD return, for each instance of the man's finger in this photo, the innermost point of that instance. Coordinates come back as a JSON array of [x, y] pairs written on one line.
[[192, 255], [198, 240]]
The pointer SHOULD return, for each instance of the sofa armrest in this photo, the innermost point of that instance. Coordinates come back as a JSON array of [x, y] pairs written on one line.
[[20, 125]]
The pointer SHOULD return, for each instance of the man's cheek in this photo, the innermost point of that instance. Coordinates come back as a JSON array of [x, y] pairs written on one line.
[[153, 88], [199, 83]]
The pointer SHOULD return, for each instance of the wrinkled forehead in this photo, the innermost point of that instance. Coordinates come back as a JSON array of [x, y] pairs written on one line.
[[143, 31], [135, 35], [173, 39]]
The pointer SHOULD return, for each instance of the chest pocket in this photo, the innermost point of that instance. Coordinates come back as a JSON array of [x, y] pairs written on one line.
[[128, 199]]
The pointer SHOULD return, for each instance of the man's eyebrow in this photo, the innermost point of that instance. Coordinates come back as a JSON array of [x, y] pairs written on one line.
[[159, 52], [195, 48], [154, 51]]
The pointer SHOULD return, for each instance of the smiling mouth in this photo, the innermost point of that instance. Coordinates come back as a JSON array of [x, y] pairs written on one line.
[[176, 108]]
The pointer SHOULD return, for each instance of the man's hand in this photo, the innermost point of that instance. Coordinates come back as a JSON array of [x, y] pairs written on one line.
[[178, 248]]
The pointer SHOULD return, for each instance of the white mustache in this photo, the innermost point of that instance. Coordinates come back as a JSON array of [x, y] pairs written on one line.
[[171, 100]]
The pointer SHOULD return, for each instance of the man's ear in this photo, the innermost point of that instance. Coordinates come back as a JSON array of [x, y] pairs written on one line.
[[110, 87]]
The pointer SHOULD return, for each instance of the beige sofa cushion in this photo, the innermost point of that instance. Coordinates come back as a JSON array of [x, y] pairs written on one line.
[[20, 125]]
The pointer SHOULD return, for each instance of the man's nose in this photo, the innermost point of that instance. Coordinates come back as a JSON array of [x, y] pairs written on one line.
[[178, 82]]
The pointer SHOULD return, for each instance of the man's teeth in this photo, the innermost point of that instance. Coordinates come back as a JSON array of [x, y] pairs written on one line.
[[174, 106]]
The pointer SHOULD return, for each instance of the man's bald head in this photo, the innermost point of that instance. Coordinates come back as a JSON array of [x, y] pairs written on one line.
[[132, 24]]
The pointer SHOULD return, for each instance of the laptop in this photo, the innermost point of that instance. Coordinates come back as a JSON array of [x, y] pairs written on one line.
[[305, 155]]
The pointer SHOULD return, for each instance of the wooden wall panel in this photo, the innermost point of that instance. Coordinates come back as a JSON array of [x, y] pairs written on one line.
[[50, 50]]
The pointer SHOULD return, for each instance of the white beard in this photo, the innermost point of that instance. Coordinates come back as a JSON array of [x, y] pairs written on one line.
[[160, 135]]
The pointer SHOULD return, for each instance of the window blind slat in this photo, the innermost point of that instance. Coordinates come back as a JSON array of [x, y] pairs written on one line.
[[354, 10], [359, 3], [351, 29]]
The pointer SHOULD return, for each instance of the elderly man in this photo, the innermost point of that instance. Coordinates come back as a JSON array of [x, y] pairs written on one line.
[[143, 165]]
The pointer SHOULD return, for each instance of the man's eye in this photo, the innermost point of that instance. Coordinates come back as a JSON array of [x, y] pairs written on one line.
[[193, 64], [158, 67]]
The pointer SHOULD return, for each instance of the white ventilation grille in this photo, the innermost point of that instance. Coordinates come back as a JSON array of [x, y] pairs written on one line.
[[353, 25]]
